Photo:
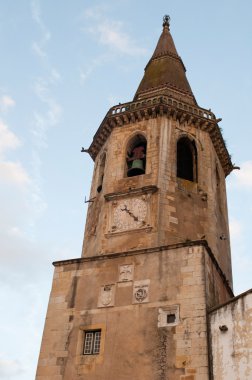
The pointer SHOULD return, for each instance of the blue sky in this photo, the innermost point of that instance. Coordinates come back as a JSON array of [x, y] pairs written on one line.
[[63, 65]]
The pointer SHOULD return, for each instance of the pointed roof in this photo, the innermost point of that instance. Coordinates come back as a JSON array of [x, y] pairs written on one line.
[[165, 72]]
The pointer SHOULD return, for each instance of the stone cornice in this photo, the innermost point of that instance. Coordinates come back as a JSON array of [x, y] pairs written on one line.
[[132, 112], [111, 256], [131, 192]]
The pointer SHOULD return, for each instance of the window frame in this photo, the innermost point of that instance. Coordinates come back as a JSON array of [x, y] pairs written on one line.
[[166, 311], [96, 336]]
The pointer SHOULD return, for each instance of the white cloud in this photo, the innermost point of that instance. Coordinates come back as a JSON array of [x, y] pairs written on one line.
[[15, 231], [236, 228], [96, 12], [20, 199], [10, 368], [36, 12], [49, 111], [110, 33], [36, 47], [6, 102], [96, 62], [10, 172], [13, 172], [243, 177], [55, 75], [8, 140], [241, 257], [84, 74], [39, 46], [51, 116]]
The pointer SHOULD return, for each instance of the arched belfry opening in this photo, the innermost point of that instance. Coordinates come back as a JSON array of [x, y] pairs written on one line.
[[136, 156], [219, 200], [186, 159], [101, 172]]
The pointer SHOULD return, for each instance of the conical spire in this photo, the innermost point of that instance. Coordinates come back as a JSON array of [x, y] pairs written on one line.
[[165, 43], [165, 72]]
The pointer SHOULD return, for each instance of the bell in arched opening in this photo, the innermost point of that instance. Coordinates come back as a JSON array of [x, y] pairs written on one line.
[[136, 156]]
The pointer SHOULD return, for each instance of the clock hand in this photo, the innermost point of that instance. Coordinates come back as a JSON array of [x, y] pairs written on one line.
[[133, 216], [130, 213]]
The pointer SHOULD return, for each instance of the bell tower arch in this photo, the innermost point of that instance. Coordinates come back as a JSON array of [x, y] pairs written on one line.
[[187, 159], [136, 155]]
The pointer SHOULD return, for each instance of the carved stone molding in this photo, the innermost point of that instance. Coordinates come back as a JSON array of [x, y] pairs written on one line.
[[139, 191], [132, 112]]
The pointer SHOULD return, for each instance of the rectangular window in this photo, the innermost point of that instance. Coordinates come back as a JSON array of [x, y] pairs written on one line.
[[168, 316], [171, 318], [92, 342]]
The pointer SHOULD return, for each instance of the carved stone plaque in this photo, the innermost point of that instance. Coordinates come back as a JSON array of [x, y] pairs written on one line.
[[126, 272], [107, 295], [141, 291]]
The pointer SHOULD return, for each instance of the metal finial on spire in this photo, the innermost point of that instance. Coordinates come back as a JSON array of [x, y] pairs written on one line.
[[166, 21]]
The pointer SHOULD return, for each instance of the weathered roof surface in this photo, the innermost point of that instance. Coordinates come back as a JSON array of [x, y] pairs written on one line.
[[165, 71]]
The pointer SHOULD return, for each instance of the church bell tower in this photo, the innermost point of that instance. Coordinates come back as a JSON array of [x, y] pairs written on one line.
[[156, 250]]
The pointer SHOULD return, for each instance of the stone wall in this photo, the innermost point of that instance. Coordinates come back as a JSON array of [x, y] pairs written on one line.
[[231, 340], [179, 211], [128, 296]]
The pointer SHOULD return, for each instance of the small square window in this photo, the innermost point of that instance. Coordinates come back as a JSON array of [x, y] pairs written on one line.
[[168, 316], [171, 318], [92, 342]]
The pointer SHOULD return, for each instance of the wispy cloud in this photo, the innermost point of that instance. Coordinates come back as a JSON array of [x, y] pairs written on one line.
[[90, 67], [48, 118], [10, 171], [20, 200], [39, 46], [243, 177], [111, 33], [236, 228], [10, 368], [240, 206], [48, 111], [6, 102], [44, 83], [8, 140], [13, 172]]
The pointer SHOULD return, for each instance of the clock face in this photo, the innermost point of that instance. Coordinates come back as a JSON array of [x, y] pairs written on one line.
[[130, 214]]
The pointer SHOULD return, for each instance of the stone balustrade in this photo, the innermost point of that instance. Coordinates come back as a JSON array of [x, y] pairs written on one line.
[[158, 100]]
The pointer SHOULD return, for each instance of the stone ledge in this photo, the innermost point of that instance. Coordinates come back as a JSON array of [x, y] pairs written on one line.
[[155, 106], [191, 243], [131, 191]]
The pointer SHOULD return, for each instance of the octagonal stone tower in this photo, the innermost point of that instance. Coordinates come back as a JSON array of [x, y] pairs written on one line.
[[156, 250]]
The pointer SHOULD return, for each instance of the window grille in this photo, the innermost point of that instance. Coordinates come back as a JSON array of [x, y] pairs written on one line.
[[92, 342], [171, 318]]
